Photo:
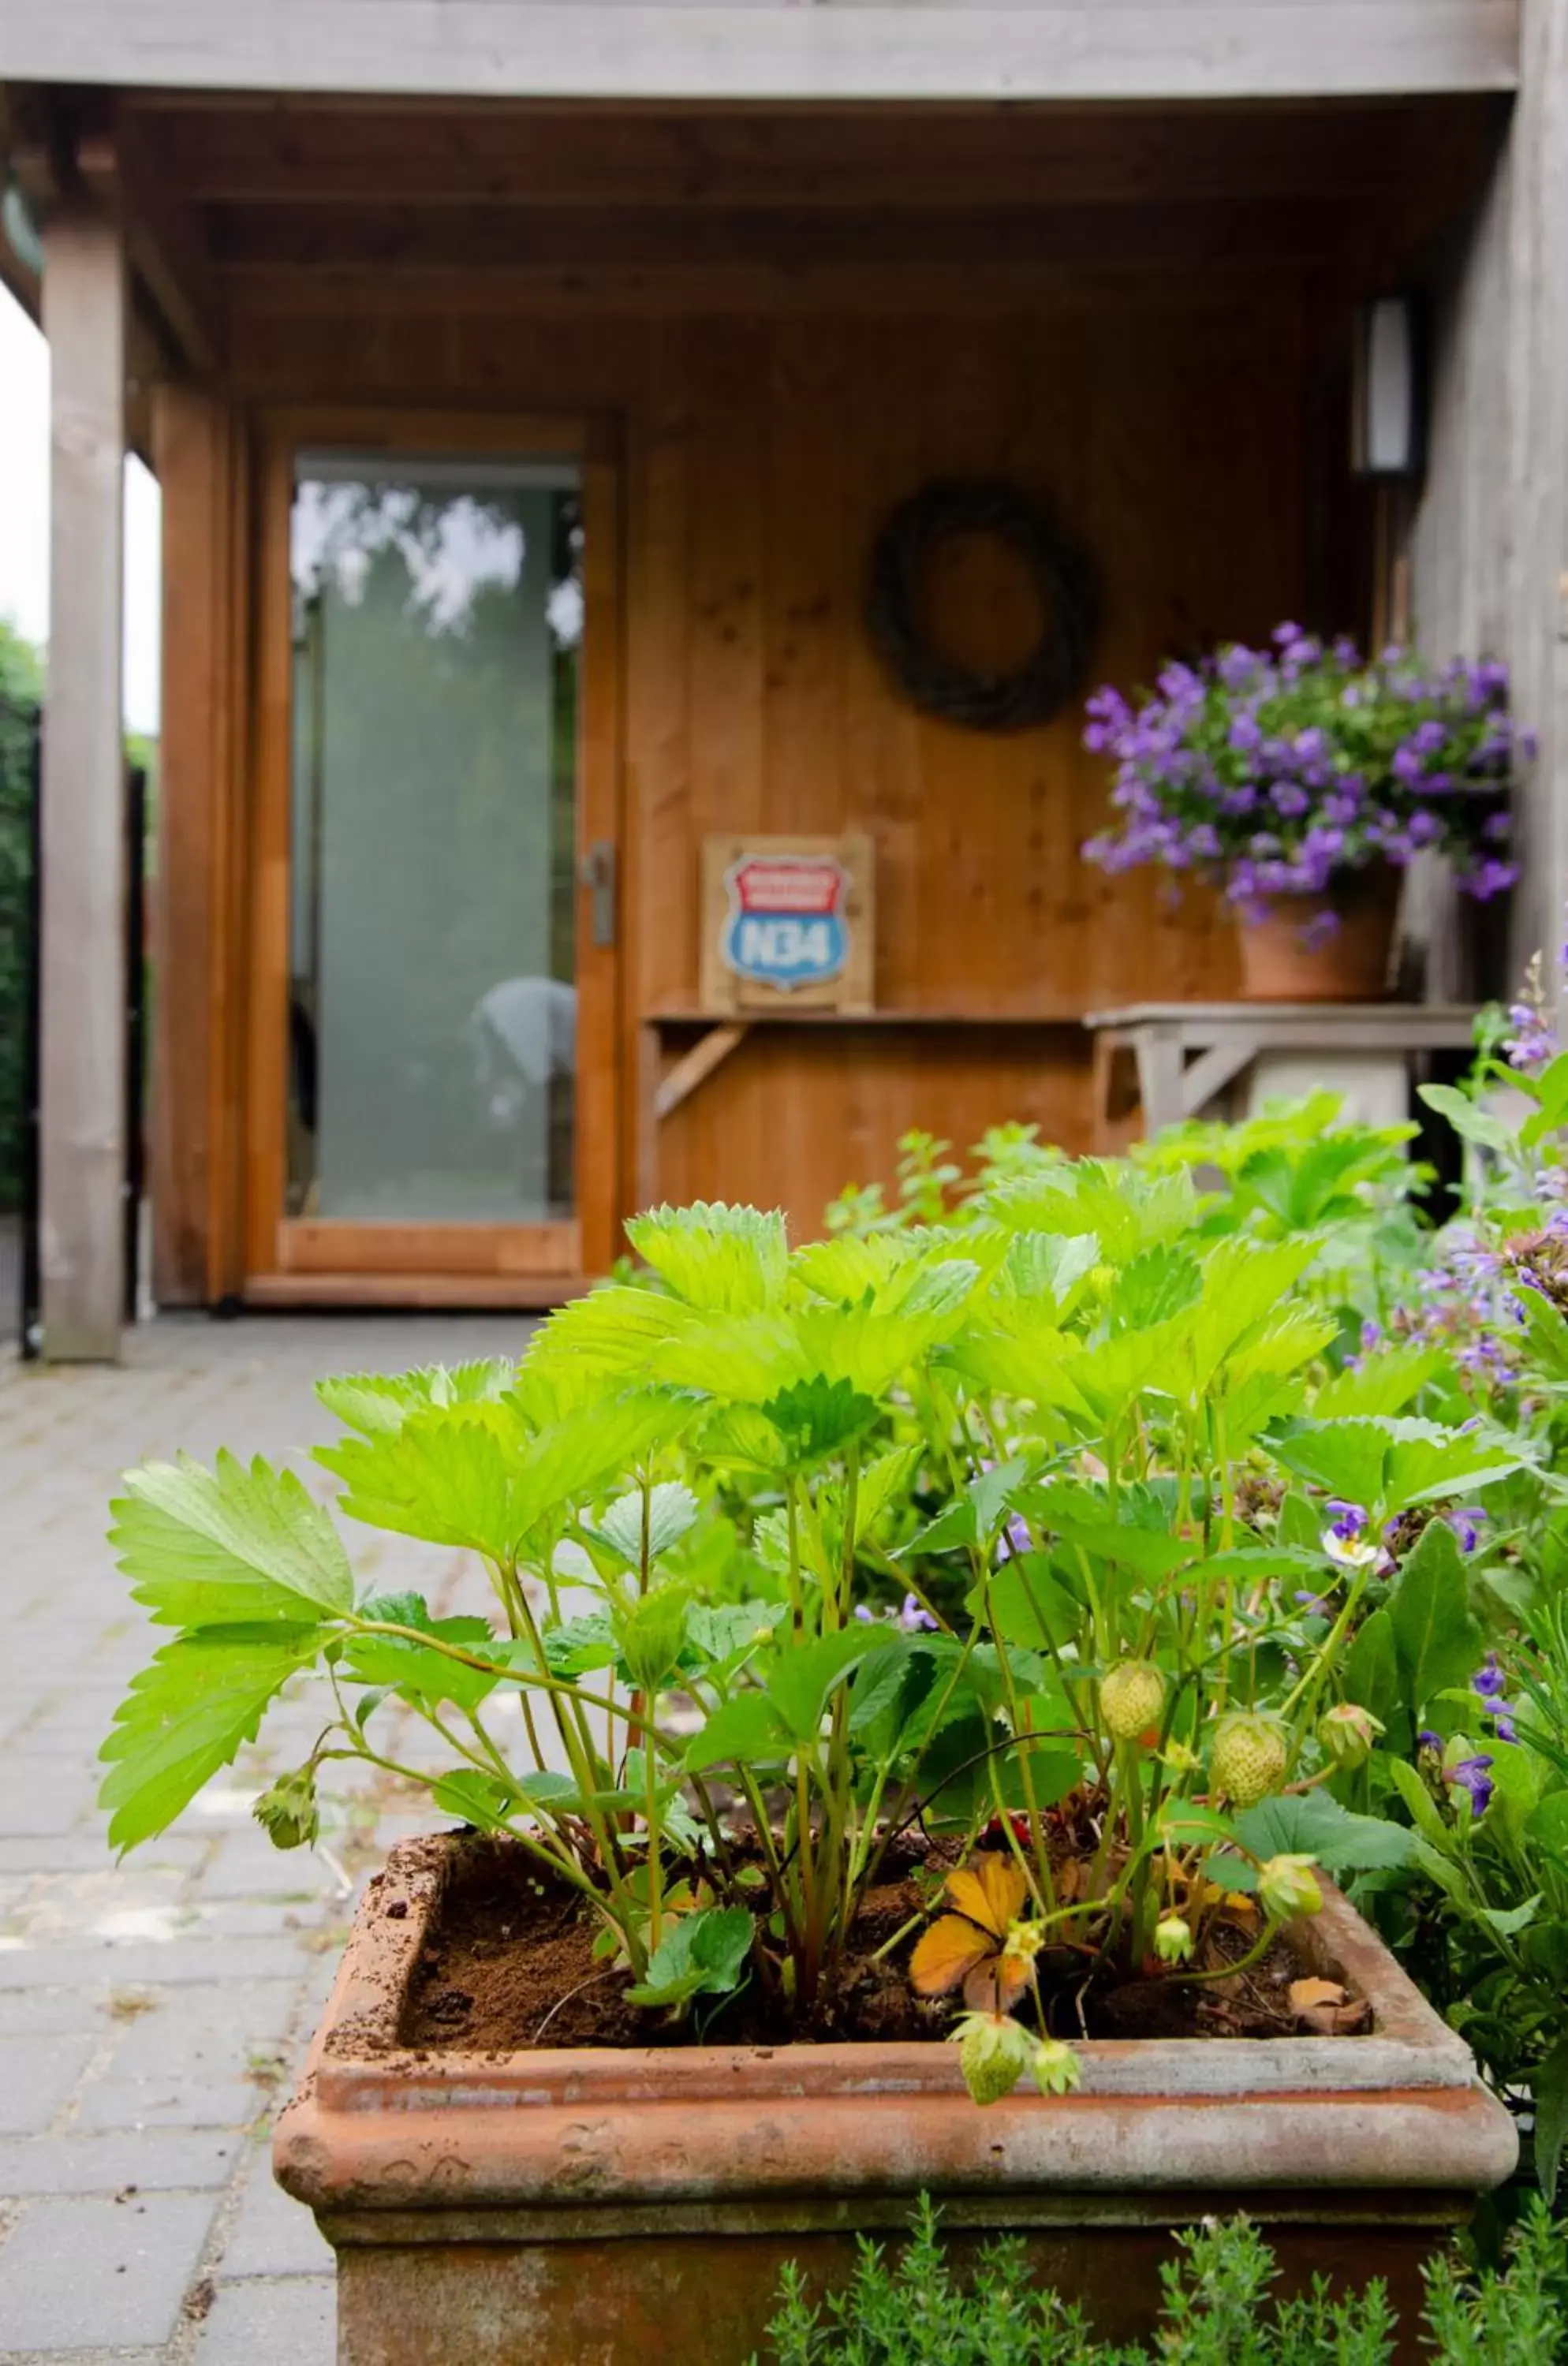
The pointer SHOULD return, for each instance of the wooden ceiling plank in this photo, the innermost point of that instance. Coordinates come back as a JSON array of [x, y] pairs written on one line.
[[399, 241]]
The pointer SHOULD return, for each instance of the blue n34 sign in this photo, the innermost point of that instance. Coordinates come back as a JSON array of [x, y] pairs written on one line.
[[784, 922]]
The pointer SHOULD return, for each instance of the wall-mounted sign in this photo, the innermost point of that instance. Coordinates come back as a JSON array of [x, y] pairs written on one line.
[[787, 923]]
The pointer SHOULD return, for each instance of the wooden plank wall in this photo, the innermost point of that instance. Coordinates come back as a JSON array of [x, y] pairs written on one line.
[[762, 451]]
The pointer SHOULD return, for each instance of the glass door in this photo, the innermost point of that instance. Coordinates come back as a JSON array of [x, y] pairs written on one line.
[[428, 1063]]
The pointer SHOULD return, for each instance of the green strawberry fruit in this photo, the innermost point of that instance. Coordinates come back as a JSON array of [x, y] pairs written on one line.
[[994, 2051], [1248, 1759], [1131, 1697]]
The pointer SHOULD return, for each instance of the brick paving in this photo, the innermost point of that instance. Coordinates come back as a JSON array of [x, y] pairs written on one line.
[[151, 2013]]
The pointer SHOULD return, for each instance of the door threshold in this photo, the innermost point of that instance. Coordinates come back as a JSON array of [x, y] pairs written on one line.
[[451, 1292]]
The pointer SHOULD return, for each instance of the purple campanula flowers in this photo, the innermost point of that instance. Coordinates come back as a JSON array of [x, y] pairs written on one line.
[[1490, 878], [1353, 761]]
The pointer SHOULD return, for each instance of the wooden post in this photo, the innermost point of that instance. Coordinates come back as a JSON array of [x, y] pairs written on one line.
[[1489, 550], [82, 951], [197, 451], [1536, 365]]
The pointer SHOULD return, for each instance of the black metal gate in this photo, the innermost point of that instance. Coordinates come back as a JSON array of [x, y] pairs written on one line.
[[136, 993], [21, 881], [19, 884]]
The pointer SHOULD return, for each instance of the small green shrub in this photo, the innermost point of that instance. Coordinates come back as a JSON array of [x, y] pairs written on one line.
[[1217, 2311]]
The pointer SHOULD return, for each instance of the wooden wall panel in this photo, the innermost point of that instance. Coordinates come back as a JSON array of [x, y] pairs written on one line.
[[764, 450], [788, 1121]]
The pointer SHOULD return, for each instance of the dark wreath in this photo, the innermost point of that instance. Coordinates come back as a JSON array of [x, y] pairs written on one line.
[[933, 684]]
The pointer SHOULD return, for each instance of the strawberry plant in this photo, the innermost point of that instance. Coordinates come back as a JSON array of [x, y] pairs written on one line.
[[1142, 1645]]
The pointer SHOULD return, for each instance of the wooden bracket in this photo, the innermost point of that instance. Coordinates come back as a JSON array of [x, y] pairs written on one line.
[[693, 1066]]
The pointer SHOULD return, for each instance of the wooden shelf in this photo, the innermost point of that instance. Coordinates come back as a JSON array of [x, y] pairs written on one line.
[[1226, 1038], [1431, 1025], [682, 1015]]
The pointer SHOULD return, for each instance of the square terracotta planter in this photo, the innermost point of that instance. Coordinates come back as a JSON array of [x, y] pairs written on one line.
[[612, 2208]]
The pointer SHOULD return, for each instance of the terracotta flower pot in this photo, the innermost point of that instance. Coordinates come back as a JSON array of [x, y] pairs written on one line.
[[618, 2208], [1322, 948]]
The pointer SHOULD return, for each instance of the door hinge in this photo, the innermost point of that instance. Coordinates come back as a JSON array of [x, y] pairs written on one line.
[[599, 878]]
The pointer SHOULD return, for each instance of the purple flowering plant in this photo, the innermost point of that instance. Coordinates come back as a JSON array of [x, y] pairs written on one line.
[[1282, 771]]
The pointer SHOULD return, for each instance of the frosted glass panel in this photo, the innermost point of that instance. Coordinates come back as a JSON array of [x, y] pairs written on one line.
[[433, 1021]]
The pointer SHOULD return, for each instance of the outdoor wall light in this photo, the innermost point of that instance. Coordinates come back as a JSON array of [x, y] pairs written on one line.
[[20, 230], [1388, 425]]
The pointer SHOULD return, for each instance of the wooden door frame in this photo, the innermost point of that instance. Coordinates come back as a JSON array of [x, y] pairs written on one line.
[[304, 1261]]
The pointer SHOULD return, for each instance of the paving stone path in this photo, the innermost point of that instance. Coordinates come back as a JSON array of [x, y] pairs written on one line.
[[151, 2013]]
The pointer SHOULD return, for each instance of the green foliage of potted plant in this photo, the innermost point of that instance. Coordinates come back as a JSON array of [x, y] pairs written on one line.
[[1304, 779], [1029, 1690]]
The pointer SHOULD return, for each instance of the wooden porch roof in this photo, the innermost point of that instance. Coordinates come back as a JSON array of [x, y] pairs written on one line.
[[239, 204], [777, 50]]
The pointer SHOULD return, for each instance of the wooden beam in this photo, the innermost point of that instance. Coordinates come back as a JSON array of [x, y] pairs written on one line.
[[163, 244], [1055, 49], [83, 968], [263, 297], [889, 157]]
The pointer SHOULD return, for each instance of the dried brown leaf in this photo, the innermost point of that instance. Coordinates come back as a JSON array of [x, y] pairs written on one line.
[[1307, 1996]]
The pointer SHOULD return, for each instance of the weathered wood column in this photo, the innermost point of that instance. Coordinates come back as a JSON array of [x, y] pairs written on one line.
[[1491, 542], [1537, 364], [82, 954]]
